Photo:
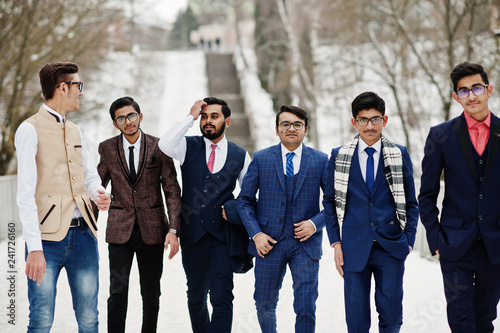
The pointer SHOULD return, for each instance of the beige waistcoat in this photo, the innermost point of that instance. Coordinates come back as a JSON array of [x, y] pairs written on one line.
[[60, 176]]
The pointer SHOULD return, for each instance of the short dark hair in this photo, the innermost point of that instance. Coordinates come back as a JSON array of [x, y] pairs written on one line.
[[122, 102], [365, 101], [292, 109], [225, 109], [466, 69], [52, 74]]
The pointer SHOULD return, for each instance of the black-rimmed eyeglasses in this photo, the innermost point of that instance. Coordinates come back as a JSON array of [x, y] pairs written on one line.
[[132, 116], [79, 83], [476, 90], [286, 125], [374, 121]]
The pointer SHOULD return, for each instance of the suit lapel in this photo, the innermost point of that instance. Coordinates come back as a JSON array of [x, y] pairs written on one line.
[[142, 153], [380, 176], [121, 155], [494, 143], [278, 164], [461, 129], [303, 171]]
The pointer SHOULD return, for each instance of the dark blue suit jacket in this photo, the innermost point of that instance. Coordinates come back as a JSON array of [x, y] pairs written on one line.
[[471, 206], [370, 217], [265, 174]]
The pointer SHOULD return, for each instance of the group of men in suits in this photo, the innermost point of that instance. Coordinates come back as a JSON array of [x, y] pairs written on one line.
[[370, 210]]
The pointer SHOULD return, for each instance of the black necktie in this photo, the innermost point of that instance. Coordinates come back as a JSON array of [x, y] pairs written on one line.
[[131, 164]]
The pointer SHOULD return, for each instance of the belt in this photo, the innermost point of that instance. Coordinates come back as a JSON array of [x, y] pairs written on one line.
[[78, 222]]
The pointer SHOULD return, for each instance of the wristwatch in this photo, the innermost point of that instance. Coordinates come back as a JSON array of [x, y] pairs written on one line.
[[173, 231]]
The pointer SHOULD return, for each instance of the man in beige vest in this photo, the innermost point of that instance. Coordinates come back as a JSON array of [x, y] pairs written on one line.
[[57, 179]]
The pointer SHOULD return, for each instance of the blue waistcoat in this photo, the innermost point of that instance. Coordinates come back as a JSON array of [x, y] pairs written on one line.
[[288, 228], [203, 193]]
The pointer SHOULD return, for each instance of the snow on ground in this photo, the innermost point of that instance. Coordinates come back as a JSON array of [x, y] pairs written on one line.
[[178, 81]]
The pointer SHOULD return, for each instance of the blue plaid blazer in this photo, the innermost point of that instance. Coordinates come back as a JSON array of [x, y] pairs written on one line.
[[265, 175]]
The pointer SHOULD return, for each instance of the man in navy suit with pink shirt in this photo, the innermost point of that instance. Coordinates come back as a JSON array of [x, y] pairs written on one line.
[[466, 237]]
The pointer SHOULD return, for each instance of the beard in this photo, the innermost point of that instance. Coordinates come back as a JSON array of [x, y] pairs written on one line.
[[131, 134], [214, 134]]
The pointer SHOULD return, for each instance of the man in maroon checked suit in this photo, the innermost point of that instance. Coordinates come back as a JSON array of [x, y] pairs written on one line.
[[137, 223]]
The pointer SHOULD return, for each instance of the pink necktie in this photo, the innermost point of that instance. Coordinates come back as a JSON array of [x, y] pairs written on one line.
[[211, 158]]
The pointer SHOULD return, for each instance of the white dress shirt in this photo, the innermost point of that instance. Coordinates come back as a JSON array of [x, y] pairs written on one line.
[[137, 149], [26, 143], [363, 157], [173, 144]]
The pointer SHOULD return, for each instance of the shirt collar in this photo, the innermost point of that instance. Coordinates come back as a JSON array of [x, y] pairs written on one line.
[[297, 151], [127, 144], [222, 144], [377, 145], [471, 122], [60, 118]]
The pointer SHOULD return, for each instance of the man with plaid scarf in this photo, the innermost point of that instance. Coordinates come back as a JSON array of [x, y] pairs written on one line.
[[370, 196]]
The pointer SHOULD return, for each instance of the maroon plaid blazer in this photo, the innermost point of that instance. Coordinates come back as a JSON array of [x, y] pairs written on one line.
[[141, 201]]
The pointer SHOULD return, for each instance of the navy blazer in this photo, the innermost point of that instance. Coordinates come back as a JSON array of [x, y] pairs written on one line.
[[370, 217], [471, 206], [265, 175]]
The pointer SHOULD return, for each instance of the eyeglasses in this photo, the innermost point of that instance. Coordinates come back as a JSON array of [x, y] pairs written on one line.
[[79, 83], [374, 121], [297, 125], [476, 90], [132, 116]]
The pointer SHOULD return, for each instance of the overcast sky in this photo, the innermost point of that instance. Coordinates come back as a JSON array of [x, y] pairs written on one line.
[[164, 11]]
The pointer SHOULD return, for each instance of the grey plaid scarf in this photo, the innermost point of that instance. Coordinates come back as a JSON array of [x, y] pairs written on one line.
[[393, 168]]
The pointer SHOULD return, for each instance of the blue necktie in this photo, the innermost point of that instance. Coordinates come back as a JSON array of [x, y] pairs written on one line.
[[369, 168], [289, 164]]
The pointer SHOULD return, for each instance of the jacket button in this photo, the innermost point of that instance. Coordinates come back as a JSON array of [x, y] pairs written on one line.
[[372, 224], [371, 204], [205, 191], [281, 220], [481, 179], [481, 196], [282, 204], [201, 221], [203, 206], [207, 177], [480, 217], [213, 222], [480, 161]]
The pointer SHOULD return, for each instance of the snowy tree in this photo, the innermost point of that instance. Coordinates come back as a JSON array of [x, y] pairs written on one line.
[[35, 32]]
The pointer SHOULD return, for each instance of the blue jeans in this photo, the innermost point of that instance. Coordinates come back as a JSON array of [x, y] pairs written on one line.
[[78, 253]]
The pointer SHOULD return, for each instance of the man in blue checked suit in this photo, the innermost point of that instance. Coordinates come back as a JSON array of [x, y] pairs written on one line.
[[370, 200], [285, 223]]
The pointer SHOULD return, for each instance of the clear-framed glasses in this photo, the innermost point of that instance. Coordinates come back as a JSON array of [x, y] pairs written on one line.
[[286, 125], [132, 116], [476, 90], [364, 121], [79, 83]]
